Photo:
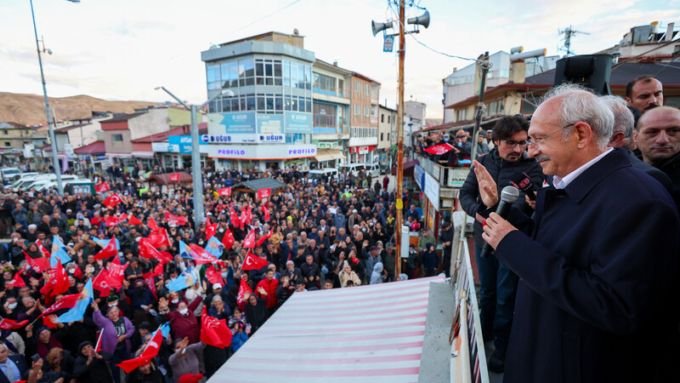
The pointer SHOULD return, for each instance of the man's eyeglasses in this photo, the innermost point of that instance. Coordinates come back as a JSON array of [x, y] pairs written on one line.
[[512, 143]]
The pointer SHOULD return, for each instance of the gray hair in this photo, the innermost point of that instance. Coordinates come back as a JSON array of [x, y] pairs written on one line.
[[624, 121], [580, 104]]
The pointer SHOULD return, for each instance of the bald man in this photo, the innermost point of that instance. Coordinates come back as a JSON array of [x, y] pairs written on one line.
[[658, 138]]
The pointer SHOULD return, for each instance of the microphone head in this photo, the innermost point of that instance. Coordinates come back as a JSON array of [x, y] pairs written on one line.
[[509, 194]]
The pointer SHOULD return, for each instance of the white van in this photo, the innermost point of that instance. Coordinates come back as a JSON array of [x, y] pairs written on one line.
[[369, 169], [43, 180], [7, 173], [326, 174]]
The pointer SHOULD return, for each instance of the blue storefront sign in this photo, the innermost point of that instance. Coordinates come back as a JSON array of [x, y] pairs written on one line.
[[243, 122], [179, 144], [269, 123], [298, 122]]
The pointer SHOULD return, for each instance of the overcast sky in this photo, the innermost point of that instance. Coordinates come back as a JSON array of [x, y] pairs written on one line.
[[122, 49]]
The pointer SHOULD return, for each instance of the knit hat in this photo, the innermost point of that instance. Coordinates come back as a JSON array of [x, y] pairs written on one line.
[[83, 344]]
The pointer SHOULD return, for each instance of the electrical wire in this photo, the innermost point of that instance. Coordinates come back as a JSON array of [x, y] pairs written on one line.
[[271, 14], [401, 25]]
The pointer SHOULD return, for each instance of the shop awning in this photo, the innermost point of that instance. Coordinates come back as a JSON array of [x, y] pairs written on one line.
[[260, 183], [95, 148], [142, 154], [377, 333], [328, 155]]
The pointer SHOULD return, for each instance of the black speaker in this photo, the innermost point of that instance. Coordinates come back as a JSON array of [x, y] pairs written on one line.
[[591, 71]]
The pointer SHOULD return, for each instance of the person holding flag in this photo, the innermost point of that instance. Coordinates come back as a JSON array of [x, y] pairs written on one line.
[[187, 358], [91, 366], [116, 334]]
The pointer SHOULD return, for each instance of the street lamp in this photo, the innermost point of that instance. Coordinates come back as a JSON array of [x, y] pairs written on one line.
[[196, 175], [50, 119]]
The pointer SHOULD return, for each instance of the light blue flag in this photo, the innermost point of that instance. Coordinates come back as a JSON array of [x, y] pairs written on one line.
[[178, 284], [214, 247], [58, 252], [78, 311], [184, 250], [165, 329], [103, 242]]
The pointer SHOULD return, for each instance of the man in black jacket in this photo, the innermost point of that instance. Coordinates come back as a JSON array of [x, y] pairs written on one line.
[[508, 164]]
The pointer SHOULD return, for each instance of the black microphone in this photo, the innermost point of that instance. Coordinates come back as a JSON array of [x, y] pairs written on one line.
[[522, 181], [509, 195]]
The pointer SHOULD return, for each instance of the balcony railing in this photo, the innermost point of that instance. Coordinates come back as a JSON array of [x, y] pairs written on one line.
[[448, 177]]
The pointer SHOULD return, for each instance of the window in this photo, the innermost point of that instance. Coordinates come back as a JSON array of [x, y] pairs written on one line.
[[8, 143], [382, 117], [117, 137], [268, 72], [246, 72], [324, 83], [341, 88], [461, 115], [229, 72], [382, 136], [367, 111], [324, 115], [389, 118], [357, 110], [388, 136], [5, 131]]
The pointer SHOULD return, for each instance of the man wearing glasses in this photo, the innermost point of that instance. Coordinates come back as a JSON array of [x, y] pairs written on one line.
[[507, 163], [598, 274]]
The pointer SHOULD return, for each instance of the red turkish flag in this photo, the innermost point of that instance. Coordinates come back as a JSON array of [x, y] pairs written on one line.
[[177, 220], [50, 321], [263, 193], [253, 262], [174, 177], [40, 265], [242, 290], [210, 228], [147, 250], [57, 282], [102, 283], [228, 239], [66, 302], [214, 332], [159, 238], [112, 201], [190, 378], [249, 241], [266, 213], [16, 282], [263, 239], [213, 275], [246, 216], [224, 192], [111, 221], [107, 252], [150, 351], [439, 149], [134, 221], [234, 219], [116, 273], [43, 249], [157, 270], [11, 325], [151, 223], [102, 187], [200, 255]]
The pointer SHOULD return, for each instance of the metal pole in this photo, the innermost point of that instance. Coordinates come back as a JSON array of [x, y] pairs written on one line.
[[196, 175], [50, 120], [483, 62], [400, 139]]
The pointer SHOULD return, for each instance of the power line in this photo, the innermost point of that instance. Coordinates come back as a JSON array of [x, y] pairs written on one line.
[[271, 14], [422, 43]]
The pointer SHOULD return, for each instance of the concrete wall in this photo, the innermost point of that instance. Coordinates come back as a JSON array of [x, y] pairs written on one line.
[[117, 147]]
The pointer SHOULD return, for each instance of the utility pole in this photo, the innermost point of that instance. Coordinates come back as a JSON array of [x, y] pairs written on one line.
[[400, 140], [484, 65], [568, 33]]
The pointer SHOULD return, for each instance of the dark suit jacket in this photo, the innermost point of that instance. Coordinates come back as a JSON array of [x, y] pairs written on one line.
[[21, 365], [596, 299]]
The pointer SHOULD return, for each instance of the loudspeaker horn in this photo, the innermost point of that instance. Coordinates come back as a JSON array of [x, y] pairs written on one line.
[[379, 27], [423, 19]]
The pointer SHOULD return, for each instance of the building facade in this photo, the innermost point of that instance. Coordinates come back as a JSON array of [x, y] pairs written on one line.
[[331, 108], [363, 140], [260, 103], [386, 135]]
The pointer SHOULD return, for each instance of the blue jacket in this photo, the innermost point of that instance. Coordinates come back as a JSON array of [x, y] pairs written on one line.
[[238, 340], [598, 276]]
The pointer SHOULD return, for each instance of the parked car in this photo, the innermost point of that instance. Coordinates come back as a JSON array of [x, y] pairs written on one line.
[[370, 169], [7, 173]]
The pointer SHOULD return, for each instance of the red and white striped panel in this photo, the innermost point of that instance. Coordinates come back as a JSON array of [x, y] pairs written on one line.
[[360, 334]]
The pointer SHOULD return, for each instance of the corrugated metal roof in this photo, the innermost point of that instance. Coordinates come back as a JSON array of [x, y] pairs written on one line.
[[361, 334]]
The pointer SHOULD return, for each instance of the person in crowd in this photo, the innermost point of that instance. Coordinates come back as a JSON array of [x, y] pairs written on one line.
[[644, 93], [658, 138], [510, 165], [186, 359], [91, 366], [590, 295], [430, 260]]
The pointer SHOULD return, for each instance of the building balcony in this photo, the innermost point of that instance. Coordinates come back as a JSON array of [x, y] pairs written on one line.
[[446, 177]]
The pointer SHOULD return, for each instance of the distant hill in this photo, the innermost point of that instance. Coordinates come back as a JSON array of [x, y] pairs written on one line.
[[28, 109]]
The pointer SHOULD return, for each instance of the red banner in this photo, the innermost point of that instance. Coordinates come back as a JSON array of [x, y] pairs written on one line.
[[439, 149], [264, 193], [224, 192]]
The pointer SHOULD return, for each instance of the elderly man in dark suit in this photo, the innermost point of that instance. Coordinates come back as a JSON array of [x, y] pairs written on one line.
[[598, 274], [12, 367]]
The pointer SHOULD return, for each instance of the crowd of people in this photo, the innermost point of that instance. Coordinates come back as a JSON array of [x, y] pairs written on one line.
[[135, 243]]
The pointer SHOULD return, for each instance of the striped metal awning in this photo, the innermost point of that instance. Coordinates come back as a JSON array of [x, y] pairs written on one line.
[[361, 334]]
